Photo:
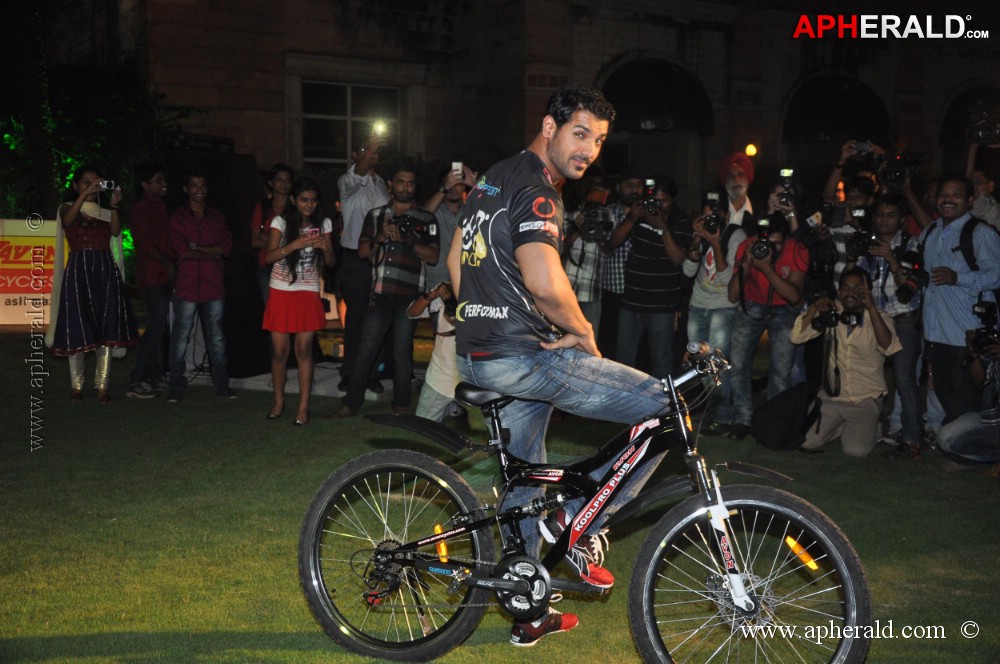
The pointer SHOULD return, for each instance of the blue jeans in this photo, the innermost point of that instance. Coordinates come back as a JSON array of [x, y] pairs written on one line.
[[747, 330], [210, 314], [659, 329], [387, 310], [967, 437], [904, 370], [574, 382], [715, 326], [149, 356]]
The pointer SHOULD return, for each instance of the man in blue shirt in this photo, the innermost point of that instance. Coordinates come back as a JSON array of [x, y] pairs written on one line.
[[953, 290]]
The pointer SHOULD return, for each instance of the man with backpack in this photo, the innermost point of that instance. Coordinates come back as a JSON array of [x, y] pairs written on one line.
[[962, 256]]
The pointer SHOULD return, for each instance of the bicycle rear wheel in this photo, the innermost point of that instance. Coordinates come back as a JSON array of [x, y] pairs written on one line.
[[812, 595], [376, 503]]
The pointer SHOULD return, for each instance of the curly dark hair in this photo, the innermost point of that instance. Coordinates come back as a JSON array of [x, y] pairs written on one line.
[[565, 102]]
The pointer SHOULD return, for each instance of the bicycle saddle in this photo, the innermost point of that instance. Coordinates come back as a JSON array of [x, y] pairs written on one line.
[[477, 396]]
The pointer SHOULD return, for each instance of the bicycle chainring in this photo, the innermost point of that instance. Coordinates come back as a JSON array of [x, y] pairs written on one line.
[[524, 606]]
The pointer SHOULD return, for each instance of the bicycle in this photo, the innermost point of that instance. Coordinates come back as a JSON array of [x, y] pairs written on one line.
[[397, 557]]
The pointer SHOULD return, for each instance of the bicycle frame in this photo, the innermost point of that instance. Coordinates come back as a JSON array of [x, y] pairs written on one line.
[[630, 451]]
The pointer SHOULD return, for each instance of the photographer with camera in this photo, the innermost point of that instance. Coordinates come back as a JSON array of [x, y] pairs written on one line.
[[625, 212], [438, 391], [856, 338], [895, 269], [587, 232], [962, 256], [768, 286], [654, 282], [361, 190], [710, 261], [975, 436], [397, 239]]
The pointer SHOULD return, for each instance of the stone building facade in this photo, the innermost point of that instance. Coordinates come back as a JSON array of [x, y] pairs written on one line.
[[299, 80]]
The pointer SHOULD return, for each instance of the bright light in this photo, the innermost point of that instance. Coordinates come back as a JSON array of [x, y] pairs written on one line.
[[751, 150], [379, 128]]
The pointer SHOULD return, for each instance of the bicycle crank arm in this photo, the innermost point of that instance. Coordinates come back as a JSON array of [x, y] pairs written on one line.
[[566, 585]]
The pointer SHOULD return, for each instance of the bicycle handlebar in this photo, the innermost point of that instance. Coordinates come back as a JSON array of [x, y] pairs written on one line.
[[705, 360]]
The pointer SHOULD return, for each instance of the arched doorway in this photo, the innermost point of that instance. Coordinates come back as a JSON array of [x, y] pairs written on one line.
[[976, 103], [662, 111], [822, 113]]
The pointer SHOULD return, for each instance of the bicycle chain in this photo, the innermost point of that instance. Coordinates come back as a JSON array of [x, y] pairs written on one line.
[[446, 605]]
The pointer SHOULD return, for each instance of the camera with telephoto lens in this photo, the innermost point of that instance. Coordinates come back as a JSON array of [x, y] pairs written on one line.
[[762, 246], [787, 197], [713, 221], [649, 202], [414, 225], [986, 335], [914, 276], [902, 166], [597, 222]]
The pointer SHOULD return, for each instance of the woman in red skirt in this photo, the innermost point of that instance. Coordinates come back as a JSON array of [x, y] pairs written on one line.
[[299, 242]]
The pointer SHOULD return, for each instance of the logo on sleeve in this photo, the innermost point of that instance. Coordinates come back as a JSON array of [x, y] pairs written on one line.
[[543, 207]]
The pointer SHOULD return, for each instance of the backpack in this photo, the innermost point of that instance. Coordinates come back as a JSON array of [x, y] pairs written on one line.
[[965, 245], [781, 423]]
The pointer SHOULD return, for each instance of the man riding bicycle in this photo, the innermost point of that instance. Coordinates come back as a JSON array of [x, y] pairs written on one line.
[[520, 330]]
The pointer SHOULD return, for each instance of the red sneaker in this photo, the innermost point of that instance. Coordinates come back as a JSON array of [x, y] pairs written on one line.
[[586, 557], [528, 634]]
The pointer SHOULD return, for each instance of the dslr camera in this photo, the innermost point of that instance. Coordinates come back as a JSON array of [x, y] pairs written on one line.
[[857, 244], [984, 126], [902, 166], [982, 337], [713, 220], [414, 225], [787, 197], [832, 318], [914, 276], [596, 222], [763, 246], [649, 202]]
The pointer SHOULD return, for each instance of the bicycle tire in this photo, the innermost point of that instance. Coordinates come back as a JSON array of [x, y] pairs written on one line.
[[680, 609], [383, 499]]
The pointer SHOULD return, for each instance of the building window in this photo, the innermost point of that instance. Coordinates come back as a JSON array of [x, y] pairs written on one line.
[[336, 115]]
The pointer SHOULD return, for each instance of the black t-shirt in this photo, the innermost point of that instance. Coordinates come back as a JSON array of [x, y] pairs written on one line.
[[513, 204], [653, 284]]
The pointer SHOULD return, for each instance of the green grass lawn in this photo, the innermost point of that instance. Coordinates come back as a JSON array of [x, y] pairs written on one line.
[[143, 531]]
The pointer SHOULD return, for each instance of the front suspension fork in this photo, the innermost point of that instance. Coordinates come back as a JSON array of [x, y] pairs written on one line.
[[718, 514]]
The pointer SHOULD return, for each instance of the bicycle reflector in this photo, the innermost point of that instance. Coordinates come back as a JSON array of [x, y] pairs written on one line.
[[803, 555], [442, 546]]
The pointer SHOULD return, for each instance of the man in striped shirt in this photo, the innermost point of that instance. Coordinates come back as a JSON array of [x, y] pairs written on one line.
[[654, 281]]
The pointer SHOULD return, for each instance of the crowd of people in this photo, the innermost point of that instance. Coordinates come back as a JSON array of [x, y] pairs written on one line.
[[542, 275], [646, 276]]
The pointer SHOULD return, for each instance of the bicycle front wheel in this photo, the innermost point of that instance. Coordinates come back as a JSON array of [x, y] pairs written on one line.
[[371, 506], [812, 599]]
